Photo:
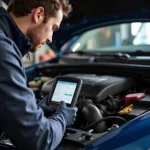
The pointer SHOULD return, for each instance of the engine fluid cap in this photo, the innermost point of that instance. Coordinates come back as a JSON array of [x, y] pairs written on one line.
[[134, 96], [126, 109]]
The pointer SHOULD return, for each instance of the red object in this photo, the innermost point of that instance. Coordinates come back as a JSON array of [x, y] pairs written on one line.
[[48, 56], [50, 106], [134, 96]]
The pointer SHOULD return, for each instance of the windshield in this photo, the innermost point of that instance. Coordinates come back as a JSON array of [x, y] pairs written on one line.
[[121, 37]]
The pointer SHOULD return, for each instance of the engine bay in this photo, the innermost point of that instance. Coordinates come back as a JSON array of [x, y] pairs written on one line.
[[100, 96], [105, 103]]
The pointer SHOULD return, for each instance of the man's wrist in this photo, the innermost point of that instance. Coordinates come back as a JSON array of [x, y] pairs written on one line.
[[60, 112]]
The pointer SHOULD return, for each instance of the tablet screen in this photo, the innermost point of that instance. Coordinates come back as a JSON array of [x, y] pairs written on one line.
[[64, 91]]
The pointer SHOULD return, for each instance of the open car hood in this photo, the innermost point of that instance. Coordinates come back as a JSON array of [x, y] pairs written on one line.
[[88, 14]]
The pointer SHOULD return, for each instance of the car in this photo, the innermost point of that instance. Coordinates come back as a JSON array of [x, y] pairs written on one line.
[[108, 48]]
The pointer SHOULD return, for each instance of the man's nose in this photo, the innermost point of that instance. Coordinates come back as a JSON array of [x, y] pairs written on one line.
[[49, 40]]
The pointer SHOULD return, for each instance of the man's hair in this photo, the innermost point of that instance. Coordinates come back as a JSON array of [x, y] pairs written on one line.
[[24, 7]]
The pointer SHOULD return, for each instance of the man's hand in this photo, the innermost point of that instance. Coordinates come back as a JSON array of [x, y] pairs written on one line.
[[47, 111], [70, 113]]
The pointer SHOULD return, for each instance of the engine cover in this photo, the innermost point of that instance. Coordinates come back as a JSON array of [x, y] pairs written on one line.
[[98, 87]]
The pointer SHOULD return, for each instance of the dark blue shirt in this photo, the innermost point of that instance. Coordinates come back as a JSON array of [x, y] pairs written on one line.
[[20, 118]]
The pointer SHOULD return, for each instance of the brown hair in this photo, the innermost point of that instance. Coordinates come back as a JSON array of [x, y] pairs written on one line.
[[24, 7]]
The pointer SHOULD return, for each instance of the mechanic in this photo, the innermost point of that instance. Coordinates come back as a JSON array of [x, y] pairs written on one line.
[[26, 26]]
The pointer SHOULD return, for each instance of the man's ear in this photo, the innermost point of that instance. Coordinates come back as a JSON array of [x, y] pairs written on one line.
[[38, 15]]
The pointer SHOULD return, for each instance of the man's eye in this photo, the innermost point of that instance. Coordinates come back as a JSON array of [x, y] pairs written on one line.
[[55, 29]]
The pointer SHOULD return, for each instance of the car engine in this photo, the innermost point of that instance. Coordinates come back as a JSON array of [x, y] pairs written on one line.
[[102, 106], [100, 96]]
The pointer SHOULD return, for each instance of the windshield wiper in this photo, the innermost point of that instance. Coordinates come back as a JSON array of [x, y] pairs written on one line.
[[117, 55], [80, 52], [104, 54], [141, 53]]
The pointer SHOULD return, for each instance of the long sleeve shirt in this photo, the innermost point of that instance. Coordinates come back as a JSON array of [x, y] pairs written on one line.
[[20, 117]]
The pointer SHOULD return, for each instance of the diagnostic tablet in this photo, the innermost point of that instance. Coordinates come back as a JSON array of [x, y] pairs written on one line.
[[65, 89]]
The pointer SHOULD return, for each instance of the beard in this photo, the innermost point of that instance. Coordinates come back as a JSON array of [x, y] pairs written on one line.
[[34, 49], [34, 38]]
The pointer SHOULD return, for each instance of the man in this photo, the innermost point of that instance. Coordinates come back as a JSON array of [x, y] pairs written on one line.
[[26, 26]]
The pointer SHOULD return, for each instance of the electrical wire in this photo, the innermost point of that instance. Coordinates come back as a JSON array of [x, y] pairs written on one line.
[[103, 119]]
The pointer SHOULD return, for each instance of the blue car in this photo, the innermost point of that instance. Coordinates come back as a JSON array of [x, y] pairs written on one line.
[[109, 50]]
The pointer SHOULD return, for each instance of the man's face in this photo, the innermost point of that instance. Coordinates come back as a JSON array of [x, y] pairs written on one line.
[[42, 33]]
